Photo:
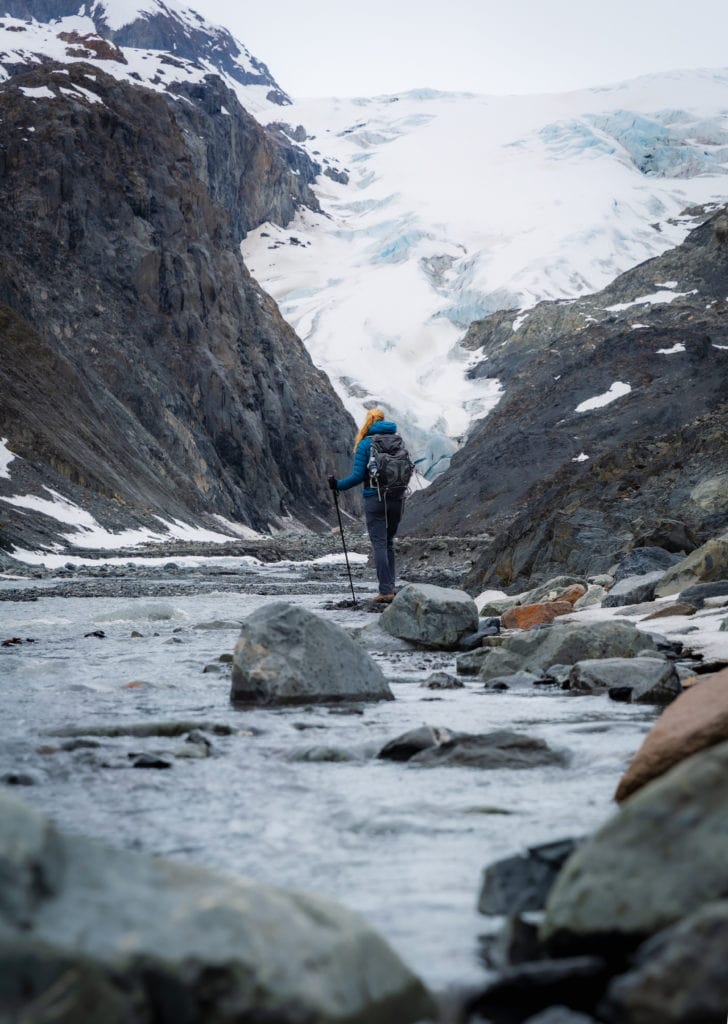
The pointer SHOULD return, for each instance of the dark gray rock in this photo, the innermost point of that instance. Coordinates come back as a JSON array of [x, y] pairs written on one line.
[[697, 594], [522, 883], [429, 615], [442, 681], [633, 590], [517, 680], [659, 859], [643, 560], [288, 655], [679, 975], [516, 942], [489, 626], [413, 742], [135, 932], [564, 643], [526, 989], [500, 749], [648, 680], [469, 664]]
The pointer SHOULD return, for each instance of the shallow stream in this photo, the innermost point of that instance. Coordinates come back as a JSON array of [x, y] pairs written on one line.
[[405, 846]]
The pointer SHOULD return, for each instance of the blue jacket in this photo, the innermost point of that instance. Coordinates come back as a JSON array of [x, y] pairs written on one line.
[[361, 458]]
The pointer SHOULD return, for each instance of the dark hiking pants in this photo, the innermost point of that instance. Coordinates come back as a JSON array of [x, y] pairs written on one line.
[[382, 521]]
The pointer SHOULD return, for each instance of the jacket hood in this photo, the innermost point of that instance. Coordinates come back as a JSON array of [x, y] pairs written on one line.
[[382, 427]]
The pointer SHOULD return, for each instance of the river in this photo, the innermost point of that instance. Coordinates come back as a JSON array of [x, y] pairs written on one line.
[[404, 846]]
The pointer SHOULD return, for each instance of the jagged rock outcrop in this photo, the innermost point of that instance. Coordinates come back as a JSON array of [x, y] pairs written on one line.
[[141, 362], [184, 34], [565, 489]]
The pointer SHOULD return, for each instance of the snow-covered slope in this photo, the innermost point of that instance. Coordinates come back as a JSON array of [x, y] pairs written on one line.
[[459, 205]]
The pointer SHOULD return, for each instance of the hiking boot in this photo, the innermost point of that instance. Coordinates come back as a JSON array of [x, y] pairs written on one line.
[[383, 599]]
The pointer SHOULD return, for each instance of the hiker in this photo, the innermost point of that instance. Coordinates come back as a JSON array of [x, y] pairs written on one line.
[[383, 501]]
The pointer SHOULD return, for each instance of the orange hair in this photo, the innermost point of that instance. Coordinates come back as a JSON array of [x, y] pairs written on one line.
[[373, 416]]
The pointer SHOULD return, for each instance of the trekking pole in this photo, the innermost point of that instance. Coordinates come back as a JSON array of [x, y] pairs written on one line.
[[343, 541]]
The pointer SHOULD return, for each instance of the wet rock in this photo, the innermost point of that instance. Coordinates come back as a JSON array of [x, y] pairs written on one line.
[[429, 615], [643, 560], [516, 680], [413, 742], [226, 658], [213, 668], [18, 779], [173, 728], [529, 615], [288, 655], [698, 719], [500, 749], [97, 633], [647, 680], [633, 590], [135, 634], [522, 883], [559, 674], [525, 989], [704, 565], [660, 858], [211, 947], [565, 643], [679, 975], [701, 592], [442, 681], [149, 761]]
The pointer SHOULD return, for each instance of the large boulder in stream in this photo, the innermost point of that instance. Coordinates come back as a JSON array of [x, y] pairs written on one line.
[[565, 643], [660, 858], [431, 616], [288, 655], [90, 933]]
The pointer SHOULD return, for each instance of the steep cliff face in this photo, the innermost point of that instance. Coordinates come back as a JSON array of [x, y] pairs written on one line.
[[139, 358], [613, 429]]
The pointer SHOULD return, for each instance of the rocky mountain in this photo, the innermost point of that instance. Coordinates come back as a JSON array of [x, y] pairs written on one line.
[[144, 373], [157, 25], [612, 432]]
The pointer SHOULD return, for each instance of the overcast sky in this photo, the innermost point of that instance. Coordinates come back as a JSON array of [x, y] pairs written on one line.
[[335, 48]]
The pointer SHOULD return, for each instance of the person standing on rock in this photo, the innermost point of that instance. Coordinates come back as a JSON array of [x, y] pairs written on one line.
[[383, 466]]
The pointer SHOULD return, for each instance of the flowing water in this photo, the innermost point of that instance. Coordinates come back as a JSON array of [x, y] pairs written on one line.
[[405, 846]]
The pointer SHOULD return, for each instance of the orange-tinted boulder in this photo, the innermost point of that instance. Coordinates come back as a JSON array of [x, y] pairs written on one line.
[[697, 719], [526, 616]]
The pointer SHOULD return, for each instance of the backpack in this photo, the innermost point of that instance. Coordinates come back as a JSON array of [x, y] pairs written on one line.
[[390, 466]]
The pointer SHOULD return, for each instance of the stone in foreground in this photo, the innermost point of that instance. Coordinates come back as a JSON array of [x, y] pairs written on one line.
[[431, 616], [288, 655], [680, 974], [124, 935], [522, 882], [656, 861]]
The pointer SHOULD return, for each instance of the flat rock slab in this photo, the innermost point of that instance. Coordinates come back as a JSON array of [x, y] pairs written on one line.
[[432, 616], [696, 720], [288, 655], [633, 590], [132, 931], [660, 858]]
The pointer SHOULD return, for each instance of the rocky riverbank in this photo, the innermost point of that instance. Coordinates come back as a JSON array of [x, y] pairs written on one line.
[[346, 791]]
